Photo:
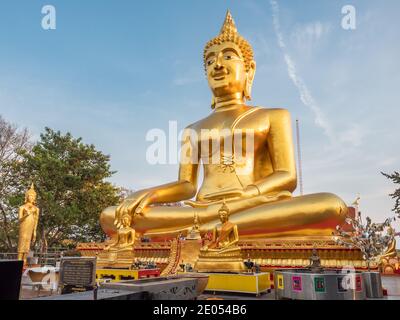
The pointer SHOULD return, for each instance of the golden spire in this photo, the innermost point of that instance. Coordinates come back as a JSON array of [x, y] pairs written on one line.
[[229, 33], [31, 190], [229, 26]]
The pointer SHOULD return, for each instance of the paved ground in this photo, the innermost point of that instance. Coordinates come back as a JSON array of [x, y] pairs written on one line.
[[222, 296], [28, 293]]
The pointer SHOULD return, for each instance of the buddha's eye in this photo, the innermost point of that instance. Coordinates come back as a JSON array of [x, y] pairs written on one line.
[[230, 55], [210, 62]]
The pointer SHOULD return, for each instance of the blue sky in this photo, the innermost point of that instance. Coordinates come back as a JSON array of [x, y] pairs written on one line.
[[113, 70]]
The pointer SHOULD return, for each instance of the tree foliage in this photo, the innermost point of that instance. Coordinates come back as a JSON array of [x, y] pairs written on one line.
[[13, 140], [395, 177], [69, 177], [70, 180]]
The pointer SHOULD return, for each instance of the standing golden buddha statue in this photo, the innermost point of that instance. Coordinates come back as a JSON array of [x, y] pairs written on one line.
[[28, 220], [258, 189]]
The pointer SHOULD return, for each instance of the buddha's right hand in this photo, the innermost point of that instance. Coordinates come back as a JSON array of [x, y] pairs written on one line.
[[129, 205]]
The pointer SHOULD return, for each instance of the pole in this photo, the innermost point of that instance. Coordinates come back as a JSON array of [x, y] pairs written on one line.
[[299, 164]]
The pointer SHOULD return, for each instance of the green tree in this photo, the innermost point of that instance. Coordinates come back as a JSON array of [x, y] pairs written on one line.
[[12, 141], [395, 177], [69, 177]]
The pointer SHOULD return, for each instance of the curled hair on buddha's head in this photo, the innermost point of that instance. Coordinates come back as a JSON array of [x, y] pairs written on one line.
[[229, 33]]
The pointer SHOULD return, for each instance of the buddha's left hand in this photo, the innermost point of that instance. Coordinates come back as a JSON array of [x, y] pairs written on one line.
[[146, 201]]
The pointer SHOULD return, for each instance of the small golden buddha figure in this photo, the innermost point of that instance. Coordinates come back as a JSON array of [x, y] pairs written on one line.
[[194, 233], [315, 262], [125, 236], [390, 261], [391, 251], [225, 234], [258, 188], [120, 252], [28, 220], [222, 253]]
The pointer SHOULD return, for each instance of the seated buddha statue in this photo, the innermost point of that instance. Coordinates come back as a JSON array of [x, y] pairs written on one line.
[[391, 251], [119, 253], [225, 235], [125, 236], [222, 253], [258, 188]]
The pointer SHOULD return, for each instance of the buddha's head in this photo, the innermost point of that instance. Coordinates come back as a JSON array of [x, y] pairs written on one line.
[[126, 220], [30, 195], [223, 213], [229, 63]]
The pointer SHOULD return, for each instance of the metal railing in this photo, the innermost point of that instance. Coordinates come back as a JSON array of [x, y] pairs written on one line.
[[8, 255], [49, 258]]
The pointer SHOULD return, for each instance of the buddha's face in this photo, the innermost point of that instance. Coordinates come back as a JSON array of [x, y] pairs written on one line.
[[226, 70], [126, 221], [31, 198], [223, 214]]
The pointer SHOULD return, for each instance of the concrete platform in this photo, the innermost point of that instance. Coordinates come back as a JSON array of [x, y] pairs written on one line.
[[160, 288]]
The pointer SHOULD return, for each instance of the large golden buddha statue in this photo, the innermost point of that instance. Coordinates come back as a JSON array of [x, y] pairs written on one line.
[[257, 188]]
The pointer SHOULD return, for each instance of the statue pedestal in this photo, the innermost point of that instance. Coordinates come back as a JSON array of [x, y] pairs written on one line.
[[251, 283], [220, 261], [302, 284], [189, 251], [278, 253], [116, 275], [116, 258], [269, 254]]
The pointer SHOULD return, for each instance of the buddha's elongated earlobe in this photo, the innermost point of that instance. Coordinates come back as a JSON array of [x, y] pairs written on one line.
[[249, 80], [247, 89]]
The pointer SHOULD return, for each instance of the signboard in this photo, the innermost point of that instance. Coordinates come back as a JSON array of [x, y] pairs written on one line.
[[10, 283], [296, 283], [280, 281], [319, 284], [77, 274]]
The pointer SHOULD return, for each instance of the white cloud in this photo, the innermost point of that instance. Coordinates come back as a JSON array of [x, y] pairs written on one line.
[[305, 95], [306, 35], [354, 135]]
